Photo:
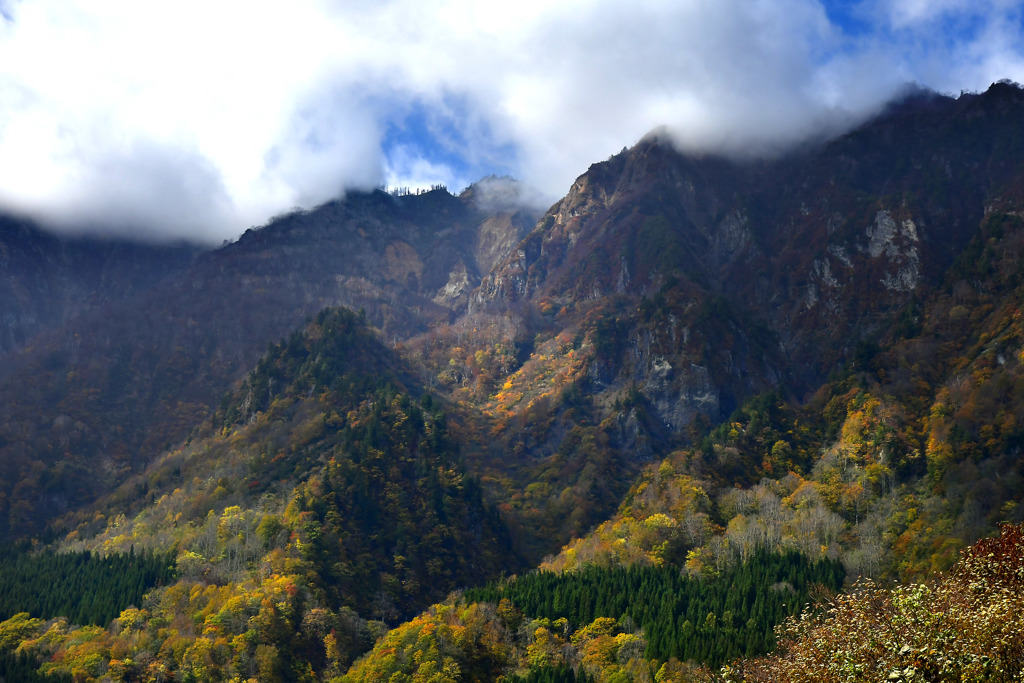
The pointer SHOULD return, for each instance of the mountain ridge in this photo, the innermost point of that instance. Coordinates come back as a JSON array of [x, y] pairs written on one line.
[[157, 362], [684, 362]]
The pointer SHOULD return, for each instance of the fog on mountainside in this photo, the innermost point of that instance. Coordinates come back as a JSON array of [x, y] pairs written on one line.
[[108, 127]]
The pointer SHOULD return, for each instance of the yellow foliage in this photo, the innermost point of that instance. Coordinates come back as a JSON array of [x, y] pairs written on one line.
[[18, 628]]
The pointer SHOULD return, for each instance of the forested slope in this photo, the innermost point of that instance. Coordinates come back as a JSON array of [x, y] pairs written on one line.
[[323, 500], [718, 387], [93, 401]]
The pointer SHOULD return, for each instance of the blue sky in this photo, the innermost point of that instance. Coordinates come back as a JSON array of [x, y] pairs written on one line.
[[199, 119]]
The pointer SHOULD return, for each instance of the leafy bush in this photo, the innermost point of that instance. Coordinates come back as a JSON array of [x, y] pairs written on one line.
[[966, 626]]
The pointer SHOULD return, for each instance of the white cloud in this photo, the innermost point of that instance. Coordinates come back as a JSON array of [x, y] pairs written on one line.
[[200, 119], [950, 45], [405, 168], [916, 13], [501, 193]]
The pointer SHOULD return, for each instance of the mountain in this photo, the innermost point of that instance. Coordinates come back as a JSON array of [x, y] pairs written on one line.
[[688, 365], [104, 394], [48, 280], [331, 437], [330, 473], [771, 273]]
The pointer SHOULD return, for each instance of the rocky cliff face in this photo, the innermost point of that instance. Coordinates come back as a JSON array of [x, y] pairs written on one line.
[[408, 261], [752, 275]]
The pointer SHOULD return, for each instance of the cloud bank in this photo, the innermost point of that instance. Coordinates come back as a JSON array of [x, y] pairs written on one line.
[[197, 120]]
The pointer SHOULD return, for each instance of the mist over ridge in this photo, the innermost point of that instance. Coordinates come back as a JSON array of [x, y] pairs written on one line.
[[107, 125]]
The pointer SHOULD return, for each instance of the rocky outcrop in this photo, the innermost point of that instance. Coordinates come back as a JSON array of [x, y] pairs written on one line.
[[817, 250]]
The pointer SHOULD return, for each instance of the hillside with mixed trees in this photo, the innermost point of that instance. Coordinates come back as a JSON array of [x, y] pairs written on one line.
[[704, 420]]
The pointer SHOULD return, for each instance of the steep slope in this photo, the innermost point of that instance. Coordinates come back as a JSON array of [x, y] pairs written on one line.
[[645, 306], [819, 355], [325, 492], [665, 290], [106, 393], [747, 276], [911, 453], [46, 280]]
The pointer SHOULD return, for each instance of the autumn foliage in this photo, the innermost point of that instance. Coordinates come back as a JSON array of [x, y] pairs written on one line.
[[965, 626]]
